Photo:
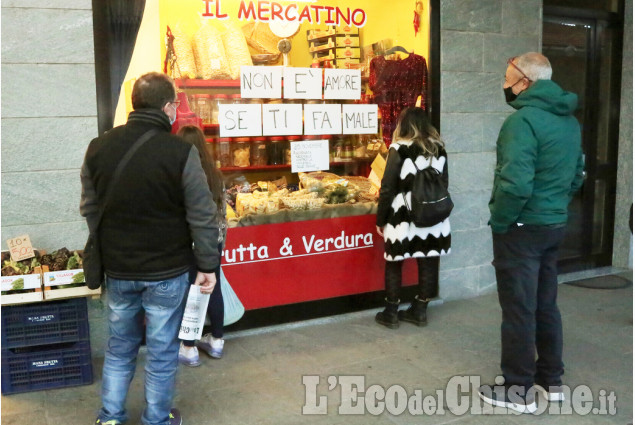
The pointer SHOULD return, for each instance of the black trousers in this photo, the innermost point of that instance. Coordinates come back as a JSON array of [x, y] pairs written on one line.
[[428, 268], [525, 259]]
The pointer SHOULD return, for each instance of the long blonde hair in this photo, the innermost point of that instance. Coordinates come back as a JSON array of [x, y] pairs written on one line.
[[415, 125]]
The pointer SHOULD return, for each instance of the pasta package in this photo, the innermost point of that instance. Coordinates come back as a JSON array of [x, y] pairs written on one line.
[[185, 63], [237, 50], [209, 51], [260, 37]]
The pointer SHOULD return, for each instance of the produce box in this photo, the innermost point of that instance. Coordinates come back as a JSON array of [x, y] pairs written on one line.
[[46, 366], [45, 323], [64, 277], [23, 288]]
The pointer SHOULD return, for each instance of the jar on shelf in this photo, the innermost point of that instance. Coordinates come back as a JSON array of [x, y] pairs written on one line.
[[259, 151], [203, 107], [348, 152], [236, 99], [359, 146], [275, 150], [338, 148], [287, 148], [218, 99], [241, 151], [223, 151]]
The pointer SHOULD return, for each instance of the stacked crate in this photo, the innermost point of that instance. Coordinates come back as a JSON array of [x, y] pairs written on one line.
[[338, 45], [45, 345]]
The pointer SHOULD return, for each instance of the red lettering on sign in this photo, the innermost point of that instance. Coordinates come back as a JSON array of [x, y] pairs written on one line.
[[245, 12], [263, 10], [317, 9]]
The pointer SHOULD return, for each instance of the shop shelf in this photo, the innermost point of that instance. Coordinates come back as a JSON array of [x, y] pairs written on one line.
[[46, 367], [45, 323], [206, 84], [256, 168]]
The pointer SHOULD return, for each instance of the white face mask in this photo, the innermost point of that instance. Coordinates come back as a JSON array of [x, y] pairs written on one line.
[[172, 120]]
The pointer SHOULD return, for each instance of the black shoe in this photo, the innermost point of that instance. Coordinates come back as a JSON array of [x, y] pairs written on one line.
[[416, 313], [513, 397], [551, 392], [389, 317]]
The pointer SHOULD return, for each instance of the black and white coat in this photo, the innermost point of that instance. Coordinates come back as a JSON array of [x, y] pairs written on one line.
[[402, 238]]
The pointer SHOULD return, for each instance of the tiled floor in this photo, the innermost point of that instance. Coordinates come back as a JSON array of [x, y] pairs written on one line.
[[259, 381]]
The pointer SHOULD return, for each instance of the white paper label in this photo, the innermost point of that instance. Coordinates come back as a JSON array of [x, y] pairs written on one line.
[[281, 120], [63, 277], [302, 83], [261, 82], [25, 281], [194, 315], [342, 83], [359, 119], [322, 119], [238, 120], [309, 155]]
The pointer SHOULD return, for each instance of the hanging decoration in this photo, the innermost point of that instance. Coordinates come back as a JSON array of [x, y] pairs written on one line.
[[417, 20]]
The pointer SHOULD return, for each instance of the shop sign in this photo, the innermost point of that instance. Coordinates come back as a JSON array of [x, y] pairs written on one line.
[[303, 83], [260, 82], [310, 155], [342, 83], [285, 263], [322, 119], [266, 11], [359, 119], [281, 119], [239, 120]]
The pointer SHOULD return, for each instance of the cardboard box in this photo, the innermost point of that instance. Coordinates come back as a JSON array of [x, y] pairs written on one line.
[[29, 281], [60, 292]]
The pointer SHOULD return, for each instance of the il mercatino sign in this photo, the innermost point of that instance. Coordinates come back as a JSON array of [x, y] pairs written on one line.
[[266, 11]]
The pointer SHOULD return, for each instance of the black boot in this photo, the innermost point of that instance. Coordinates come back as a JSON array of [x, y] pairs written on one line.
[[388, 317], [416, 313]]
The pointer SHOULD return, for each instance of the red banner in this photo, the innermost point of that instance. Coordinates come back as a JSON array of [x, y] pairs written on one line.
[[286, 263]]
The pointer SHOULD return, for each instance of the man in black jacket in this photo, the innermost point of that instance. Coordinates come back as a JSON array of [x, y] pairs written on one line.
[[158, 235]]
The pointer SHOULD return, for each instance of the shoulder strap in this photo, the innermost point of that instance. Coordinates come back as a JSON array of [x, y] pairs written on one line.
[[122, 164]]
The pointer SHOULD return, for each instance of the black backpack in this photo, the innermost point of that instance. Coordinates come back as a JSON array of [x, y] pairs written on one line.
[[431, 201]]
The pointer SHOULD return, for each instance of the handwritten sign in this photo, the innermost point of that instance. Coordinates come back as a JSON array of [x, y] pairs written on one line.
[[258, 82], [310, 155], [322, 119], [281, 120], [20, 248], [359, 119], [342, 83], [302, 83], [240, 120]]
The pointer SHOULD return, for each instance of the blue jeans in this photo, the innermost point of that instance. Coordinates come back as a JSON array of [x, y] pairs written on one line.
[[162, 303]]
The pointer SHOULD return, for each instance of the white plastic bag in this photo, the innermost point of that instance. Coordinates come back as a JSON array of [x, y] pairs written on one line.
[[234, 309], [194, 315]]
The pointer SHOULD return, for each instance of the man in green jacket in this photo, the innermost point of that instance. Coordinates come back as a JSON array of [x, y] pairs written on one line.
[[539, 167]]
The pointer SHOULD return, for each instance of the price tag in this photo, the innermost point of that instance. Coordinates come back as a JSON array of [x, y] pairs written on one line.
[[20, 248]]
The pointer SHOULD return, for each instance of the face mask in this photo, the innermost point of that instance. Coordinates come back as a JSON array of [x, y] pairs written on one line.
[[510, 96]]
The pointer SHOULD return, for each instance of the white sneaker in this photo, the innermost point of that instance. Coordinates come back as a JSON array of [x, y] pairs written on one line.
[[188, 356], [212, 346]]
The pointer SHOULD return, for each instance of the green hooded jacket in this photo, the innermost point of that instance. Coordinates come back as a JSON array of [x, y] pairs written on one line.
[[539, 163]]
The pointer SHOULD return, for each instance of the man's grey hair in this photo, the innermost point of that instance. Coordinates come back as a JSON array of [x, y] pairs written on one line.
[[535, 66]]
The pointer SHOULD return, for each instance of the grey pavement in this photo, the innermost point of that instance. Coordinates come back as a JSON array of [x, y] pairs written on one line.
[[259, 381]]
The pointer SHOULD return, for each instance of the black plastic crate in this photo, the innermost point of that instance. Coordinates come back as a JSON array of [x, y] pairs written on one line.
[[46, 367], [45, 323]]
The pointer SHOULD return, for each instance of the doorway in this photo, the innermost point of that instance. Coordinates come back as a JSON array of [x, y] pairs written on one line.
[[584, 47]]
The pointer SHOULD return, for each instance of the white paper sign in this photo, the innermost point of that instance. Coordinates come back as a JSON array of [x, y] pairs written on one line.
[[342, 83], [322, 119], [310, 155], [281, 120], [302, 83], [261, 82], [240, 120], [359, 119], [194, 315]]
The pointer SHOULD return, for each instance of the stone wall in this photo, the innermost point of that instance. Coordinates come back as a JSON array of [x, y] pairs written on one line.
[[477, 38], [623, 240], [49, 115]]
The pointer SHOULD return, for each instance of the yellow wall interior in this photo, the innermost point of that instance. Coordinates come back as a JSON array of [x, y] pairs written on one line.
[[391, 20]]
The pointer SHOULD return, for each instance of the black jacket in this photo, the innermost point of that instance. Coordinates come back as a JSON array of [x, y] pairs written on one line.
[[160, 220]]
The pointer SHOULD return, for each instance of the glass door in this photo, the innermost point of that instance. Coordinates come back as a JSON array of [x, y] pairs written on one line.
[[584, 48]]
